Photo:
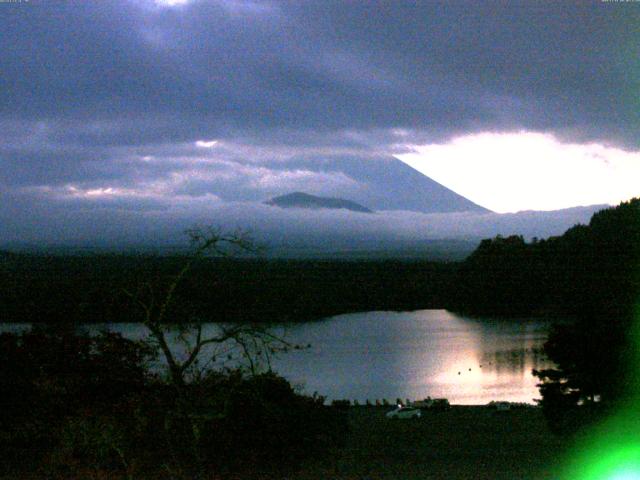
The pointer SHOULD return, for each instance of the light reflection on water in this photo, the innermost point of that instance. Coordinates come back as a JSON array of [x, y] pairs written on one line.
[[413, 355], [376, 355]]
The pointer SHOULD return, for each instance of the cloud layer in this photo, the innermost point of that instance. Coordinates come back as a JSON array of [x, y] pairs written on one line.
[[108, 220], [139, 71], [171, 103]]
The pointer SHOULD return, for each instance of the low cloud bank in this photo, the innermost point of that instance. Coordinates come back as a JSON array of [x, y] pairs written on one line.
[[110, 223]]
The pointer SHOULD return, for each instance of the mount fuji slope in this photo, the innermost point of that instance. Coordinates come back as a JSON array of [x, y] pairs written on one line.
[[386, 183]]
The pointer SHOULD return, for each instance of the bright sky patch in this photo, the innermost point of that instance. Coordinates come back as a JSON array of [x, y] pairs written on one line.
[[206, 143], [171, 3], [509, 172]]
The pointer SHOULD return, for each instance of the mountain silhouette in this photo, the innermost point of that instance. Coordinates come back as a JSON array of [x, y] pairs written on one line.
[[304, 200]]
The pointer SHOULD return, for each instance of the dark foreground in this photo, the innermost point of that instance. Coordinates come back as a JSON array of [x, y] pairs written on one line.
[[462, 443]]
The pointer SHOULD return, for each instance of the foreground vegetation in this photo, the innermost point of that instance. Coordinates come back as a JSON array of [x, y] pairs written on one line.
[[81, 406], [88, 407]]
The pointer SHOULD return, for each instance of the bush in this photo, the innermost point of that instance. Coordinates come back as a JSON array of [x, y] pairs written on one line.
[[265, 426], [52, 381], [85, 406]]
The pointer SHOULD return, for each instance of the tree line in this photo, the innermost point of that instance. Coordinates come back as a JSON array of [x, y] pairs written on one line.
[[91, 289]]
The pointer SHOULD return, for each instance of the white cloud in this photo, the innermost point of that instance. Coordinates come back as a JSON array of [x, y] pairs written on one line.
[[165, 179], [206, 143], [172, 3], [509, 172]]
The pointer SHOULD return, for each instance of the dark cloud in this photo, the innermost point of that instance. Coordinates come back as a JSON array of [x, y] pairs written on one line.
[[204, 67]]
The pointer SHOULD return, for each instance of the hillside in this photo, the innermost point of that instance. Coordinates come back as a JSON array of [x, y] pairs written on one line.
[[590, 269]]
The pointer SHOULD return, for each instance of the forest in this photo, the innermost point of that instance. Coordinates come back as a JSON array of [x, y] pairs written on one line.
[[590, 269], [91, 289]]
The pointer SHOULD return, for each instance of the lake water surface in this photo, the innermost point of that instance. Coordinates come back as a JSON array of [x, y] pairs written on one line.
[[389, 355], [413, 355]]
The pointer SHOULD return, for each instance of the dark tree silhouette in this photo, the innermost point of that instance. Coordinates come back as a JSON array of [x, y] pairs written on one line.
[[164, 311], [595, 355], [49, 376], [591, 268], [81, 406]]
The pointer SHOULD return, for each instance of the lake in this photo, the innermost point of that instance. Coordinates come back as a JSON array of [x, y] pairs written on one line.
[[376, 355], [389, 355]]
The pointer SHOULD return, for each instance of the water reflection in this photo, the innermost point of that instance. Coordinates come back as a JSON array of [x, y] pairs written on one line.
[[433, 353], [376, 355]]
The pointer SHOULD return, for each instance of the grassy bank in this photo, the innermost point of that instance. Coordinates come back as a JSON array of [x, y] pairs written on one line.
[[466, 442], [462, 443]]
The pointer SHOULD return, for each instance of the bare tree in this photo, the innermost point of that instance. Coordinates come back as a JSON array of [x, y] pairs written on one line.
[[252, 343], [255, 342]]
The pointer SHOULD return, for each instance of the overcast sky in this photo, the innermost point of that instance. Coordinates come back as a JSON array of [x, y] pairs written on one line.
[[143, 105]]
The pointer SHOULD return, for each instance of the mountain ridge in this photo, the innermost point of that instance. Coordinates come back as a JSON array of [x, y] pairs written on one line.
[[306, 200]]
